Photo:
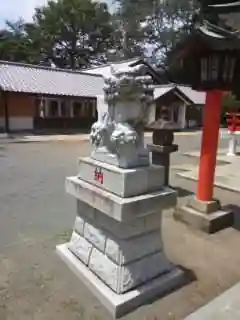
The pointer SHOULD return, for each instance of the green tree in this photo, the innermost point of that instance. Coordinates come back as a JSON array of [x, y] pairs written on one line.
[[14, 42], [229, 104], [73, 33], [127, 36], [159, 23]]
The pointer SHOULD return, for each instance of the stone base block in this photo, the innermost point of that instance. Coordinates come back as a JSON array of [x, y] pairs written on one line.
[[207, 222], [121, 304], [121, 209], [126, 161], [122, 255], [163, 149], [204, 206], [121, 264], [124, 230], [122, 182]]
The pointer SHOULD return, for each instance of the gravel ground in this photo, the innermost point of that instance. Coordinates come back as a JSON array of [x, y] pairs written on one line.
[[36, 215]]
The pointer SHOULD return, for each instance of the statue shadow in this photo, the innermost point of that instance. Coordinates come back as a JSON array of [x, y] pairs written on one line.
[[2, 152], [236, 215], [181, 192], [188, 276]]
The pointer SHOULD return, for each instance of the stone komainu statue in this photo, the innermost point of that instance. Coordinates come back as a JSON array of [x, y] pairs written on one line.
[[117, 136]]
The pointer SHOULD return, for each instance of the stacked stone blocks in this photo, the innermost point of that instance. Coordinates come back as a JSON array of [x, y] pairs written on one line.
[[123, 249]]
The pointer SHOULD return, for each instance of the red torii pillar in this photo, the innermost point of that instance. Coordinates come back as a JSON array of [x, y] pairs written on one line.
[[202, 211], [210, 133]]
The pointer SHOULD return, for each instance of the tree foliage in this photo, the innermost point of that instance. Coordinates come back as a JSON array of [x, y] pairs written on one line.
[[80, 33], [160, 23], [14, 42], [72, 33], [229, 104], [126, 43]]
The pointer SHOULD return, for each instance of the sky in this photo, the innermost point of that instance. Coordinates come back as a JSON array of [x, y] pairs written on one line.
[[14, 9]]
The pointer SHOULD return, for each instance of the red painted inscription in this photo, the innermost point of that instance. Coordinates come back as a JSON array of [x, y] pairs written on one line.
[[98, 175]]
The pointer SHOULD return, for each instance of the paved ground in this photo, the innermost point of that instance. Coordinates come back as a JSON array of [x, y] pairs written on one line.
[[36, 215], [224, 307], [21, 137]]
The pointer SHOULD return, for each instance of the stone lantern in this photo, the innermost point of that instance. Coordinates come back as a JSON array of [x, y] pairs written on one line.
[[162, 143], [209, 57]]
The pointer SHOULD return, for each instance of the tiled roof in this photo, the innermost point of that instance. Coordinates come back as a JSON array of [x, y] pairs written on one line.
[[161, 90], [105, 70], [196, 97], [17, 77]]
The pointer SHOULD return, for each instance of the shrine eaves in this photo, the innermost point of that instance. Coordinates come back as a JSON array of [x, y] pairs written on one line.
[[208, 58], [225, 14]]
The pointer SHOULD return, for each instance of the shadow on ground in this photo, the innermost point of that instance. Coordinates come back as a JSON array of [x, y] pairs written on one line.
[[63, 131], [2, 152], [188, 278], [236, 211], [181, 192]]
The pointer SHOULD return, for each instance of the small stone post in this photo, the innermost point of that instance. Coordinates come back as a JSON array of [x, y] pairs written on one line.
[[116, 247], [162, 147], [232, 146]]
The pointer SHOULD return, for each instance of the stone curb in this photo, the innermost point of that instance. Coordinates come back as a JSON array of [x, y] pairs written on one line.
[[225, 306], [6, 139], [41, 140], [217, 185], [185, 133], [197, 156]]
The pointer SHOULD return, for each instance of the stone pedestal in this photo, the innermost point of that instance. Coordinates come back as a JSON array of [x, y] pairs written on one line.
[[161, 157], [232, 145], [162, 145], [116, 246], [204, 216], [161, 150]]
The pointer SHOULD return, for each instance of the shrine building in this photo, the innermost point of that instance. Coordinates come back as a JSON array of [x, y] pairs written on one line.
[[184, 104], [38, 98]]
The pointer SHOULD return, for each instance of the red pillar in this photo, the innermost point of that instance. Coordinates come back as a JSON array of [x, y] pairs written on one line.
[[211, 124]]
